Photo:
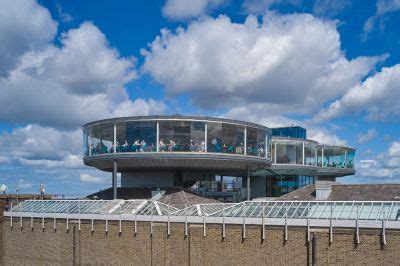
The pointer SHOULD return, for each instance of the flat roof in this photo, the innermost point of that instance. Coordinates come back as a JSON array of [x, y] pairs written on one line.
[[177, 118]]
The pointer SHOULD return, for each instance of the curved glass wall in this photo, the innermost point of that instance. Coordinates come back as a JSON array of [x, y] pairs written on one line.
[[226, 138], [336, 157], [176, 136], [292, 151], [100, 138], [136, 136], [181, 136], [310, 153], [256, 142], [289, 152]]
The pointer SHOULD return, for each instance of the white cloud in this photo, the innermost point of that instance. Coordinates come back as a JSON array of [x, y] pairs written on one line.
[[262, 6], [376, 97], [83, 78], [184, 9], [329, 8], [385, 165], [86, 178], [366, 137], [324, 137], [383, 7], [24, 26], [293, 62], [267, 116]]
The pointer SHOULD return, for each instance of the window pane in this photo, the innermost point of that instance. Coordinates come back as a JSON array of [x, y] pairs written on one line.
[[136, 136], [175, 136], [101, 138], [309, 150], [289, 152]]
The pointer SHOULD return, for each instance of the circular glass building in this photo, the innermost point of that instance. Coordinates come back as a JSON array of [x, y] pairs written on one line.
[[184, 151]]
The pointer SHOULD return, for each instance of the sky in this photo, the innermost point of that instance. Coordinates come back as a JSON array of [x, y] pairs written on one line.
[[330, 66]]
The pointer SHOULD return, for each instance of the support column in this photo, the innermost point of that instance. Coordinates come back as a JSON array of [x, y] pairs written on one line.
[[115, 138], [245, 141], [248, 184], [114, 179]]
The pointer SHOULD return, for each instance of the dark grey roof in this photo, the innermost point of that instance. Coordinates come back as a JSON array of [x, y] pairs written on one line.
[[304, 193], [389, 192]]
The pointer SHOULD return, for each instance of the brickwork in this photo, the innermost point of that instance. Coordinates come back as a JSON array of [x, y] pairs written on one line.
[[36, 246]]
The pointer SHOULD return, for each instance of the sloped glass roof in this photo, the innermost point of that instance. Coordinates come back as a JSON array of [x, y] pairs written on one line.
[[342, 210], [203, 209]]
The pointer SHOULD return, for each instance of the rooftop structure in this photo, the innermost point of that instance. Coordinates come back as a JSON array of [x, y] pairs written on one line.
[[249, 160]]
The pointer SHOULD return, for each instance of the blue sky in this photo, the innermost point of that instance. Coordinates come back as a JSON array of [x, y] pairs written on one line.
[[330, 66]]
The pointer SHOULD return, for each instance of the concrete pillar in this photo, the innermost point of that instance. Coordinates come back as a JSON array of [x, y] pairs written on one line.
[[114, 179], [248, 184]]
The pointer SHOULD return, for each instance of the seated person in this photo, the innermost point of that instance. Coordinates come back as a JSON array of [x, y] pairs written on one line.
[[203, 146], [172, 145], [162, 145], [142, 145]]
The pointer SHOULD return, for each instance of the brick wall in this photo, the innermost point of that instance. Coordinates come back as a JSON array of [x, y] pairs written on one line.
[[36, 246]]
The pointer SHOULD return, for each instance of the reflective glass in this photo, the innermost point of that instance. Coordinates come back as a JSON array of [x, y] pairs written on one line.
[[225, 138], [85, 142], [182, 136], [350, 158], [334, 157], [136, 136], [289, 152], [256, 139], [310, 153], [101, 138]]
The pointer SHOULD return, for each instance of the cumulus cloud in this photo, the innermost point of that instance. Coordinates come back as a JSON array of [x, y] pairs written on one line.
[[65, 86], [385, 165], [366, 137], [38, 144], [24, 26], [325, 137], [183, 9], [293, 62], [376, 97], [267, 116], [86, 178]]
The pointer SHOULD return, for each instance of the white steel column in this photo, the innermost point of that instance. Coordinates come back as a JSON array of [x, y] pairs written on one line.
[[266, 146], [274, 152], [245, 141], [248, 184], [158, 137], [205, 137], [345, 158], [304, 154], [89, 142], [114, 179], [322, 157], [316, 155], [115, 138]]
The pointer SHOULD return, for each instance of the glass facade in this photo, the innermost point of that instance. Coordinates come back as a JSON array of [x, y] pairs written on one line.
[[181, 136], [310, 153], [289, 152], [176, 136], [256, 142], [226, 138], [100, 139], [336, 157], [290, 132], [136, 136], [281, 185]]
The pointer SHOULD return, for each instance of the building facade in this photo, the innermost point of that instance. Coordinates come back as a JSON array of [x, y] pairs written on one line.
[[215, 157]]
